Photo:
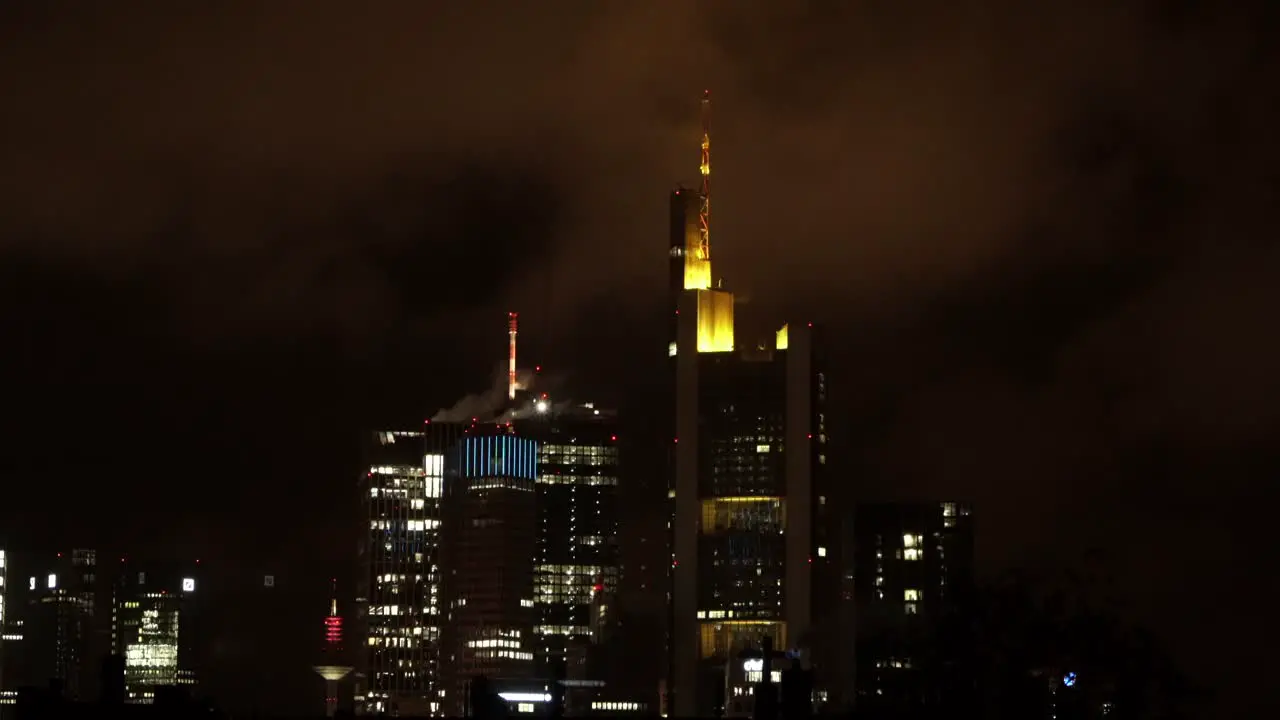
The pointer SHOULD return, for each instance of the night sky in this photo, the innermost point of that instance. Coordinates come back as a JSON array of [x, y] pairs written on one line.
[[1042, 237]]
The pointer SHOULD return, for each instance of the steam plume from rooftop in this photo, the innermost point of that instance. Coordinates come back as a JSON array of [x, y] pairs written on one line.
[[486, 405]]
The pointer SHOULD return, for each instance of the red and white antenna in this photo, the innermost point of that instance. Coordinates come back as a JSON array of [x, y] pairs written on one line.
[[704, 211], [513, 320]]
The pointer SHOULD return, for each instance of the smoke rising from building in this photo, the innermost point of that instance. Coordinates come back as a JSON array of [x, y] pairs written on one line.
[[534, 407], [487, 405]]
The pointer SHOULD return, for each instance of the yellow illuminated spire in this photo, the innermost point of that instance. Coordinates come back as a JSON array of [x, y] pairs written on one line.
[[704, 167], [715, 307]]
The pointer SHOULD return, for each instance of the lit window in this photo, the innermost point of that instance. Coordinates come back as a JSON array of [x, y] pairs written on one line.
[[909, 540], [822, 552], [911, 608], [912, 554], [910, 594]]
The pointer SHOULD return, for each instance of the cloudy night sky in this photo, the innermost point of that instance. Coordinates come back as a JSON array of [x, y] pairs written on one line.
[[1042, 237]]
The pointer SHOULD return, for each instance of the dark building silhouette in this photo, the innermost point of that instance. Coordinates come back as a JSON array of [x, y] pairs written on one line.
[[63, 611], [914, 593]]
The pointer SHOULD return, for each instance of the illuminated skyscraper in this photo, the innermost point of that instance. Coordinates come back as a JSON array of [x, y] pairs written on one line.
[[577, 562], [749, 533], [399, 601], [5, 634], [491, 533], [155, 627]]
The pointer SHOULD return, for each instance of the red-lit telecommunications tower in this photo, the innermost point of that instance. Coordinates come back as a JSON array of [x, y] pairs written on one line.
[[332, 651]]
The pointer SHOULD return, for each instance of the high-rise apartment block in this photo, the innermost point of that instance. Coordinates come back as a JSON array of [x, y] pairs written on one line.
[[912, 565]]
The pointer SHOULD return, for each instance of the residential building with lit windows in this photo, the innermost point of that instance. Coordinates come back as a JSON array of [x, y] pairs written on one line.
[[155, 627], [912, 565], [61, 619], [399, 598]]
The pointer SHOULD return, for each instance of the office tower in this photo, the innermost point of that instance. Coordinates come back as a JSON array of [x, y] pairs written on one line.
[[4, 624], [399, 601], [913, 585], [577, 561], [334, 667], [155, 627], [59, 644], [13, 659], [750, 556], [491, 534]]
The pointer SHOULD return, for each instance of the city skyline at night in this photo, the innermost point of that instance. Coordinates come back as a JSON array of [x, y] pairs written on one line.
[[273, 284]]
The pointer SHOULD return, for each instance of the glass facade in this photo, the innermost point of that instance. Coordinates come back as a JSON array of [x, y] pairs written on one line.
[[152, 628], [400, 602], [578, 556]]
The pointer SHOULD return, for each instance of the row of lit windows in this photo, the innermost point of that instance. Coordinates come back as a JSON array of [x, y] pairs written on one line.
[[430, 631], [500, 483], [746, 513], [401, 470], [578, 455], [430, 487], [395, 642], [502, 655], [727, 639], [401, 577], [392, 610], [542, 630], [494, 643], [407, 525], [602, 480]]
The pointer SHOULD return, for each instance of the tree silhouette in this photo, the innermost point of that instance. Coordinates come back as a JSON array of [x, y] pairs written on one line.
[[1048, 645]]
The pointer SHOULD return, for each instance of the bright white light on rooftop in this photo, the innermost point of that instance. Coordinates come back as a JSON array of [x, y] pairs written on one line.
[[541, 406], [519, 697]]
